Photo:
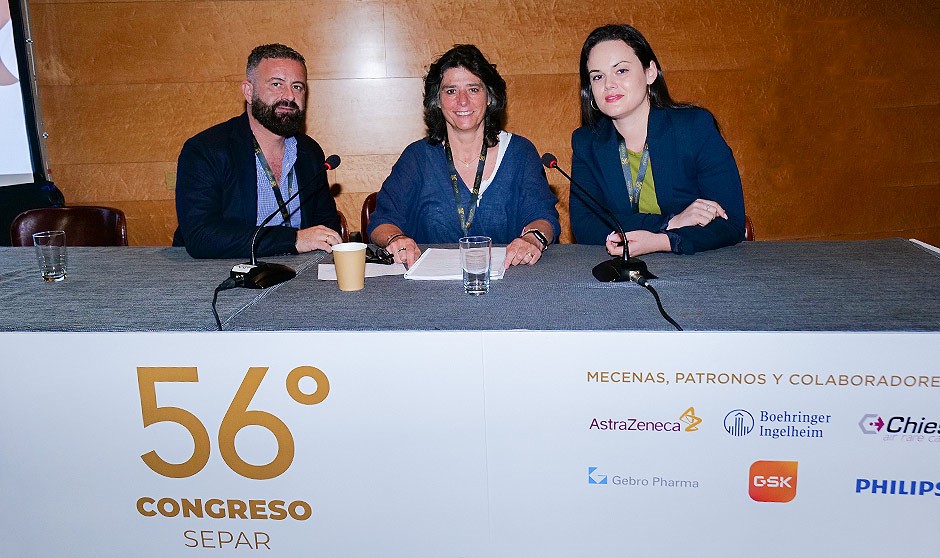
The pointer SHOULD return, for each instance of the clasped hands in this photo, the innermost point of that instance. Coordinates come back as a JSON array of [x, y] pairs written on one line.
[[699, 213]]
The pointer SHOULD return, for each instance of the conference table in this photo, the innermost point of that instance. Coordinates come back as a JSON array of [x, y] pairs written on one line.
[[877, 285], [795, 415]]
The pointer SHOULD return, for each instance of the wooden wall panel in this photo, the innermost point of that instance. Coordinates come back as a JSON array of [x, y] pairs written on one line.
[[117, 182], [831, 108], [198, 42]]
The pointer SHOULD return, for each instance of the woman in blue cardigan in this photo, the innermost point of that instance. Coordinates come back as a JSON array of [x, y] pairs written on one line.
[[468, 177], [660, 166]]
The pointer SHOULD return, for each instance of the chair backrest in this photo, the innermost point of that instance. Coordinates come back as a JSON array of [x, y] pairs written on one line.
[[368, 206], [84, 225], [343, 228], [748, 228]]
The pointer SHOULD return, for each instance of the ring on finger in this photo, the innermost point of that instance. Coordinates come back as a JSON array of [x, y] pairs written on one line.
[[401, 249]]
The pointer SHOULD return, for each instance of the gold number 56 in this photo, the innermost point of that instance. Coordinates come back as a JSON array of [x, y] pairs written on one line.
[[237, 417]]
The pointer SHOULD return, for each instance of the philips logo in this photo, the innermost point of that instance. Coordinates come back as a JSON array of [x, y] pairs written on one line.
[[897, 487], [596, 478]]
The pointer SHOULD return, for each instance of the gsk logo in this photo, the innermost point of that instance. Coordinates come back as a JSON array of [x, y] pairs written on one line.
[[772, 481], [596, 478]]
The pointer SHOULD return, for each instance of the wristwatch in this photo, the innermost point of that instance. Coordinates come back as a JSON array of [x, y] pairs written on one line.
[[538, 236]]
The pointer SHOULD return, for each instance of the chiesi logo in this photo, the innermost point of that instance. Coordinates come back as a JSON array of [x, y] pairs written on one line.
[[595, 477], [687, 418], [899, 427], [772, 481], [776, 424], [896, 487]]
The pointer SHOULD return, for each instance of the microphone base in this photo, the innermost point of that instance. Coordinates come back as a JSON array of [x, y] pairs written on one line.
[[617, 270], [262, 275]]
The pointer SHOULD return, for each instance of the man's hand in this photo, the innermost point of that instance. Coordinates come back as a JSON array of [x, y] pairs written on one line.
[[317, 238]]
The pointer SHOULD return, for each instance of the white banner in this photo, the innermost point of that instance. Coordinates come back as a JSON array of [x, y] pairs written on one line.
[[713, 444], [392, 458], [469, 444]]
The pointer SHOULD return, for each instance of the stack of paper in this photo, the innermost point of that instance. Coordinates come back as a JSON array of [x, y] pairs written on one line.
[[438, 264]]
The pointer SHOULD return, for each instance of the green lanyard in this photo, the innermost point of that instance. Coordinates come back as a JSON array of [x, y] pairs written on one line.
[[465, 222], [633, 187], [285, 214]]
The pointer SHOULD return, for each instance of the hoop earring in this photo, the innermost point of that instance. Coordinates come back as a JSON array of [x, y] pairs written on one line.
[[593, 106]]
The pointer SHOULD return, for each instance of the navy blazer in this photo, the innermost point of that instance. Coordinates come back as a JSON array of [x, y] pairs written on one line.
[[689, 160], [217, 194]]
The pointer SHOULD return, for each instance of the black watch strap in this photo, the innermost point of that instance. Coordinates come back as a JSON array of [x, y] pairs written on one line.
[[538, 236]]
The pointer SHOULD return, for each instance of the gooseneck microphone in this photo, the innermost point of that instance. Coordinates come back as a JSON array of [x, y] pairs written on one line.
[[617, 269], [261, 275]]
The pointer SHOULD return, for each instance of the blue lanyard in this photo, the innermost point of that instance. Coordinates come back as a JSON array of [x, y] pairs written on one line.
[[633, 187]]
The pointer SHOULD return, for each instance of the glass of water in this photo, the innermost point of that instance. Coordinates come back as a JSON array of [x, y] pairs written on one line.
[[475, 258], [50, 249]]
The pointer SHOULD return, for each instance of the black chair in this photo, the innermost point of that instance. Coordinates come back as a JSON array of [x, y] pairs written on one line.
[[84, 225]]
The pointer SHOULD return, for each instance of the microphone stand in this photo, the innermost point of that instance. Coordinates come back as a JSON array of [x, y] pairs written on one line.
[[619, 268], [261, 275]]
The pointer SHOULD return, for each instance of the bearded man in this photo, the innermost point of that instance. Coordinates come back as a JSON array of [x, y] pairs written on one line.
[[233, 175]]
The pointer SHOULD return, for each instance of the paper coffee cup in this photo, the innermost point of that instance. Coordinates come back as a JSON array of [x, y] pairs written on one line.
[[350, 261]]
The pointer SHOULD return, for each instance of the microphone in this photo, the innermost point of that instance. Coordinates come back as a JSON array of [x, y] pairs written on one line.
[[617, 269], [261, 275]]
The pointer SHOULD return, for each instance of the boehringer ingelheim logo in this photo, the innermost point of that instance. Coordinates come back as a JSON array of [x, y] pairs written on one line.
[[596, 478], [739, 422], [871, 424]]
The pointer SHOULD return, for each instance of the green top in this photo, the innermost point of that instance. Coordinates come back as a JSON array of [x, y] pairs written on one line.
[[648, 201]]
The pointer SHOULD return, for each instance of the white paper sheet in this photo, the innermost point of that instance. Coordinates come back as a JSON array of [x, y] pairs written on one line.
[[327, 272], [440, 264]]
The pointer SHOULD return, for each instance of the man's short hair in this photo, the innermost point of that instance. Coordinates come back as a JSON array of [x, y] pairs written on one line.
[[271, 51]]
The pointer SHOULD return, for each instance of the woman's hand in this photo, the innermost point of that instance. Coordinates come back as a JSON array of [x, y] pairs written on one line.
[[405, 250], [639, 243], [699, 213], [525, 250]]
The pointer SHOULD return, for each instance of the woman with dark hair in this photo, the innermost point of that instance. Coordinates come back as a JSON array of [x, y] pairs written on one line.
[[631, 133], [435, 192]]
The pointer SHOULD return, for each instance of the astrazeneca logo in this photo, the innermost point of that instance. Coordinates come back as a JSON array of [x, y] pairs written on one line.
[[871, 424], [633, 424], [893, 487], [772, 481], [691, 421], [596, 478], [739, 422]]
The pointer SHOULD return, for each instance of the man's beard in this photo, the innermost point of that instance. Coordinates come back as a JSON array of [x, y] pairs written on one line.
[[284, 125]]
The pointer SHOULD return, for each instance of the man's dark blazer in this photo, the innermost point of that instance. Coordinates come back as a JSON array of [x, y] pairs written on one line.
[[689, 159], [217, 194]]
